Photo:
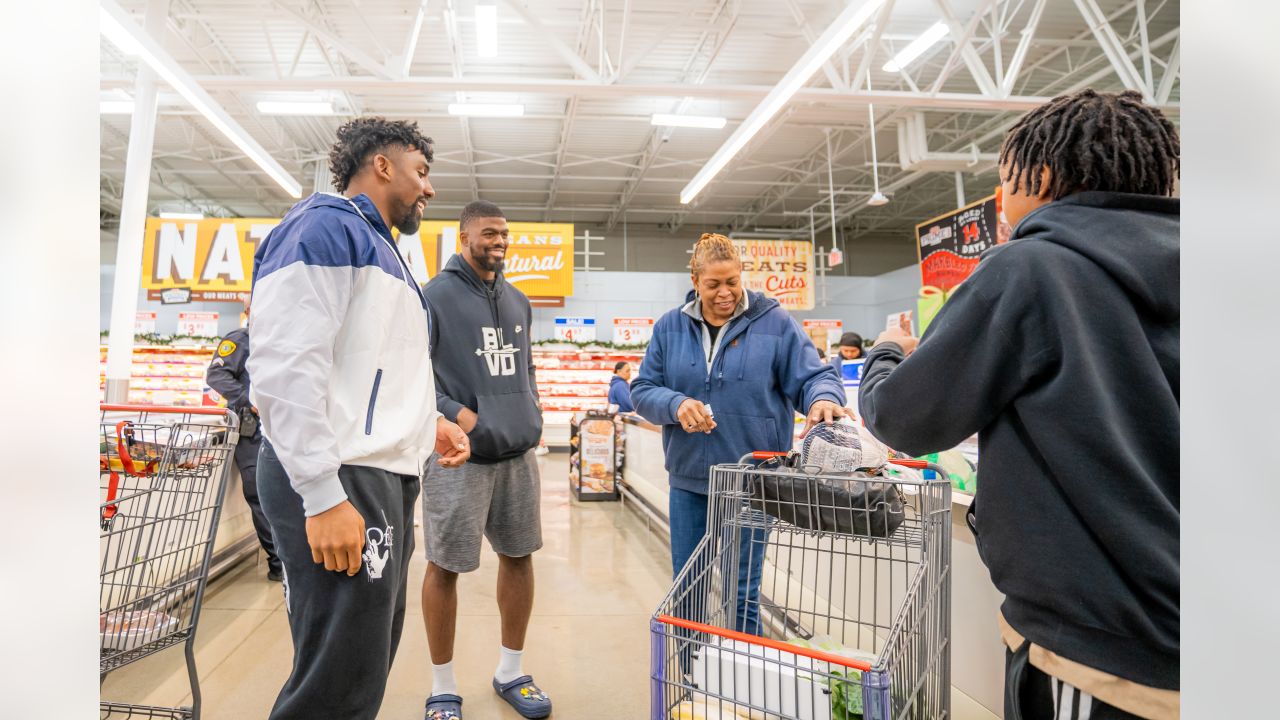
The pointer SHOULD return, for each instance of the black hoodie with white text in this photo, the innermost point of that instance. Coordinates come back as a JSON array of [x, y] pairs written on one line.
[[481, 356], [1061, 352]]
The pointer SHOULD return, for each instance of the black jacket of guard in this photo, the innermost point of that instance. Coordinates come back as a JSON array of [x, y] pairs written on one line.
[[1061, 352]]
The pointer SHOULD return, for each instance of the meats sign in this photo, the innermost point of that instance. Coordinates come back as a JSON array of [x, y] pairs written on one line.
[[781, 269]]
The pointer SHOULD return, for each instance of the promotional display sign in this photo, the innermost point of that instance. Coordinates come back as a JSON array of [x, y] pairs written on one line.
[[950, 246], [823, 333], [144, 323], [213, 258], [781, 269], [198, 324], [899, 320], [632, 331], [595, 455], [576, 329]]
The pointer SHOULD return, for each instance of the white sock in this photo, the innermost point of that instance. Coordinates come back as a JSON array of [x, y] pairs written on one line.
[[442, 680], [509, 666]]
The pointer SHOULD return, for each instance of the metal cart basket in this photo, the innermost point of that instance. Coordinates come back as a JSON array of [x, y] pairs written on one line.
[[163, 475], [853, 605]]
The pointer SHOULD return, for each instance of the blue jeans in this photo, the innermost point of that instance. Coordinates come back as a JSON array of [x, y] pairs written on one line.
[[688, 519]]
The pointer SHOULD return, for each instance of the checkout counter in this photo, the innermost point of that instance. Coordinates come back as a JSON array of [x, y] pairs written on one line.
[[977, 654]]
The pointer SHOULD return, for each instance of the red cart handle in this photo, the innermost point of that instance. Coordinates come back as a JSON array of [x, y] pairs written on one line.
[[178, 409], [913, 464], [765, 642], [767, 454]]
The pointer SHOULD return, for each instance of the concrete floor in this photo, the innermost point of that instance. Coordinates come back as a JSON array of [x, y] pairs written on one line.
[[600, 575]]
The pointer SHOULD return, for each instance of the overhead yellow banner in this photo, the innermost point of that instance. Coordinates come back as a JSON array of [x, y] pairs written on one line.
[[781, 269], [213, 258]]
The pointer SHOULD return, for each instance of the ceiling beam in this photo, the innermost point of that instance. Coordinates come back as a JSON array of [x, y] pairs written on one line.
[[539, 29], [356, 55], [1024, 45], [1113, 47]]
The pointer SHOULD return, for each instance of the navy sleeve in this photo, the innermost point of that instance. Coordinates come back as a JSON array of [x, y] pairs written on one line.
[[802, 375], [652, 398], [227, 375]]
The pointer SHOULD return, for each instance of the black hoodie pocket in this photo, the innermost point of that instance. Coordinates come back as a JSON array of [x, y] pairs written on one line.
[[507, 425]]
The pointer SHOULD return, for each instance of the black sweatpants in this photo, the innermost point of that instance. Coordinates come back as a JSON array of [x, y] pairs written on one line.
[[246, 455], [1030, 694], [345, 629]]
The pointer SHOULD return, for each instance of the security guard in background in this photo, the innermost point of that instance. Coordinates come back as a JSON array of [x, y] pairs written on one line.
[[228, 375]]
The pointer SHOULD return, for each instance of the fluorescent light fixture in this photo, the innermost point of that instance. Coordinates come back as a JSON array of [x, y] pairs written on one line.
[[295, 107], [692, 121], [487, 30], [181, 216], [486, 110], [916, 47], [116, 25], [836, 35], [115, 107]]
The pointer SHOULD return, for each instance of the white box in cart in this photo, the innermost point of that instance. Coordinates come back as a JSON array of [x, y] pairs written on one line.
[[763, 677]]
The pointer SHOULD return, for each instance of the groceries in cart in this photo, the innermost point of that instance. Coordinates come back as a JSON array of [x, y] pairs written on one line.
[[828, 485], [129, 629]]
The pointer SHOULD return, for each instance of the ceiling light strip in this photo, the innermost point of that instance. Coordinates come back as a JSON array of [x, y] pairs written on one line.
[[117, 24], [836, 35]]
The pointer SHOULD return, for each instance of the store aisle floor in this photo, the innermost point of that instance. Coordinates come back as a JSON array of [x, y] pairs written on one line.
[[600, 574]]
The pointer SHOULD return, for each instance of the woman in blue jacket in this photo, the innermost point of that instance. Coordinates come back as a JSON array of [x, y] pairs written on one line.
[[739, 355]]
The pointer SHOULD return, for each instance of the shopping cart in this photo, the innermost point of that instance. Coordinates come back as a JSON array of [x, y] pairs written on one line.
[[854, 598], [163, 476]]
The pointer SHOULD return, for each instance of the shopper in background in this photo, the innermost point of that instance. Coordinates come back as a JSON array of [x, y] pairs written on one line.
[[620, 388], [739, 355], [480, 326], [228, 375], [850, 348], [1077, 515], [342, 377]]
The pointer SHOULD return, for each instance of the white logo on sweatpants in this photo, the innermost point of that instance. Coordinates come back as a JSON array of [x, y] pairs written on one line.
[[499, 356], [375, 560]]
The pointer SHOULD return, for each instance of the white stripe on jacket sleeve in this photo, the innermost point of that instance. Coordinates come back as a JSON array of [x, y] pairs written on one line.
[[297, 313]]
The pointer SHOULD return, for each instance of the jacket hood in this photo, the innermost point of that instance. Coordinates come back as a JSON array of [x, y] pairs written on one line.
[[1134, 238], [338, 202], [459, 267]]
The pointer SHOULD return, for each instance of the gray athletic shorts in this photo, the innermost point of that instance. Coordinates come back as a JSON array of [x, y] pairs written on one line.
[[499, 501]]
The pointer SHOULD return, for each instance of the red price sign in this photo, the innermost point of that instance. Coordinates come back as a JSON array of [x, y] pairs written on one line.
[[632, 331]]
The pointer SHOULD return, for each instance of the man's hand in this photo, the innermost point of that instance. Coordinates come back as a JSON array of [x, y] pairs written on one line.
[[451, 443], [336, 537], [695, 417], [901, 338], [467, 420], [823, 411]]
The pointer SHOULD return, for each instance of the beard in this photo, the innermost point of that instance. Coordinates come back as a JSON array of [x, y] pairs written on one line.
[[410, 221], [490, 264]]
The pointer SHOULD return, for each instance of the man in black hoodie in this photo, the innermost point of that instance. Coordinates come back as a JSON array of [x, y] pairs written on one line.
[[1061, 352], [485, 383]]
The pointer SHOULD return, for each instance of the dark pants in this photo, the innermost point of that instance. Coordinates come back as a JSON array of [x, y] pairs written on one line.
[[688, 517], [247, 461], [345, 629], [1029, 694]]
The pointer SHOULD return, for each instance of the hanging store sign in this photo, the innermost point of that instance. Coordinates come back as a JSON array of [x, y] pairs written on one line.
[[632, 331], [781, 269], [949, 248], [576, 329], [212, 259], [198, 324], [823, 333]]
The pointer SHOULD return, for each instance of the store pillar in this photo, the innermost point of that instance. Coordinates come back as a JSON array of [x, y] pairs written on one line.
[[133, 217]]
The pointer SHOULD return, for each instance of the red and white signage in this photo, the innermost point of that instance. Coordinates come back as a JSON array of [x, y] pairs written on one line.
[[632, 331], [823, 333], [144, 323], [198, 324]]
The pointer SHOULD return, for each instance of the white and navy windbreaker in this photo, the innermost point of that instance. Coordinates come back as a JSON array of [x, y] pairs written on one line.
[[341, 366]]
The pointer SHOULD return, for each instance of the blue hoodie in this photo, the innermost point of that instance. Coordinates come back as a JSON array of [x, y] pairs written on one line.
[[620, 395], [763, 370]]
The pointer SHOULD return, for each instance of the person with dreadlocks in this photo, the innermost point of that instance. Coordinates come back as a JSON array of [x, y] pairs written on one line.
[[1061, 352], [342, 380]]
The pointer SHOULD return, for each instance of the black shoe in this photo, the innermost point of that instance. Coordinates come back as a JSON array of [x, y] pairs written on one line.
[[275, 576]]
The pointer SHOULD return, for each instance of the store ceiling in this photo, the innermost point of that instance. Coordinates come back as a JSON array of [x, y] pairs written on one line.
[[590, 74]]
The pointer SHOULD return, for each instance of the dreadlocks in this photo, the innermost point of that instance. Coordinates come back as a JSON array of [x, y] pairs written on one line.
[[1093, 141]]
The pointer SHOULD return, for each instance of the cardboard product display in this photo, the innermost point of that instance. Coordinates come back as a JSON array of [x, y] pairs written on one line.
[[596, 455]]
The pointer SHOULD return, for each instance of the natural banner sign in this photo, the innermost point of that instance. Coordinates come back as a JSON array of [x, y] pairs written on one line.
[[781, 269], [213, 258]]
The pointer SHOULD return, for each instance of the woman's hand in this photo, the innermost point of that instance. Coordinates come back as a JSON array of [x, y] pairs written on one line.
[[695, 417], [823, 411]]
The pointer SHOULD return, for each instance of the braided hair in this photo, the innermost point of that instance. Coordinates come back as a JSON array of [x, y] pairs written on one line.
[[1093, 141], [710, 248]]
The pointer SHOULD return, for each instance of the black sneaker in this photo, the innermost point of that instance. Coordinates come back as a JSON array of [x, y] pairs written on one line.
[[275, 576]]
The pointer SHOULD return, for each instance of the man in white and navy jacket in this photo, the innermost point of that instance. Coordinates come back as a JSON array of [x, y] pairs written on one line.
[[343, 382]]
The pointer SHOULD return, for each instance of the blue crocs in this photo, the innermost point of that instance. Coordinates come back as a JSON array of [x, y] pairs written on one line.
[[444, 707], [527, 698]]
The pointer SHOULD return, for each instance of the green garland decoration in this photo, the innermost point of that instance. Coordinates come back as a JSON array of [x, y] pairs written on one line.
[[593, 345], [158, 340]]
